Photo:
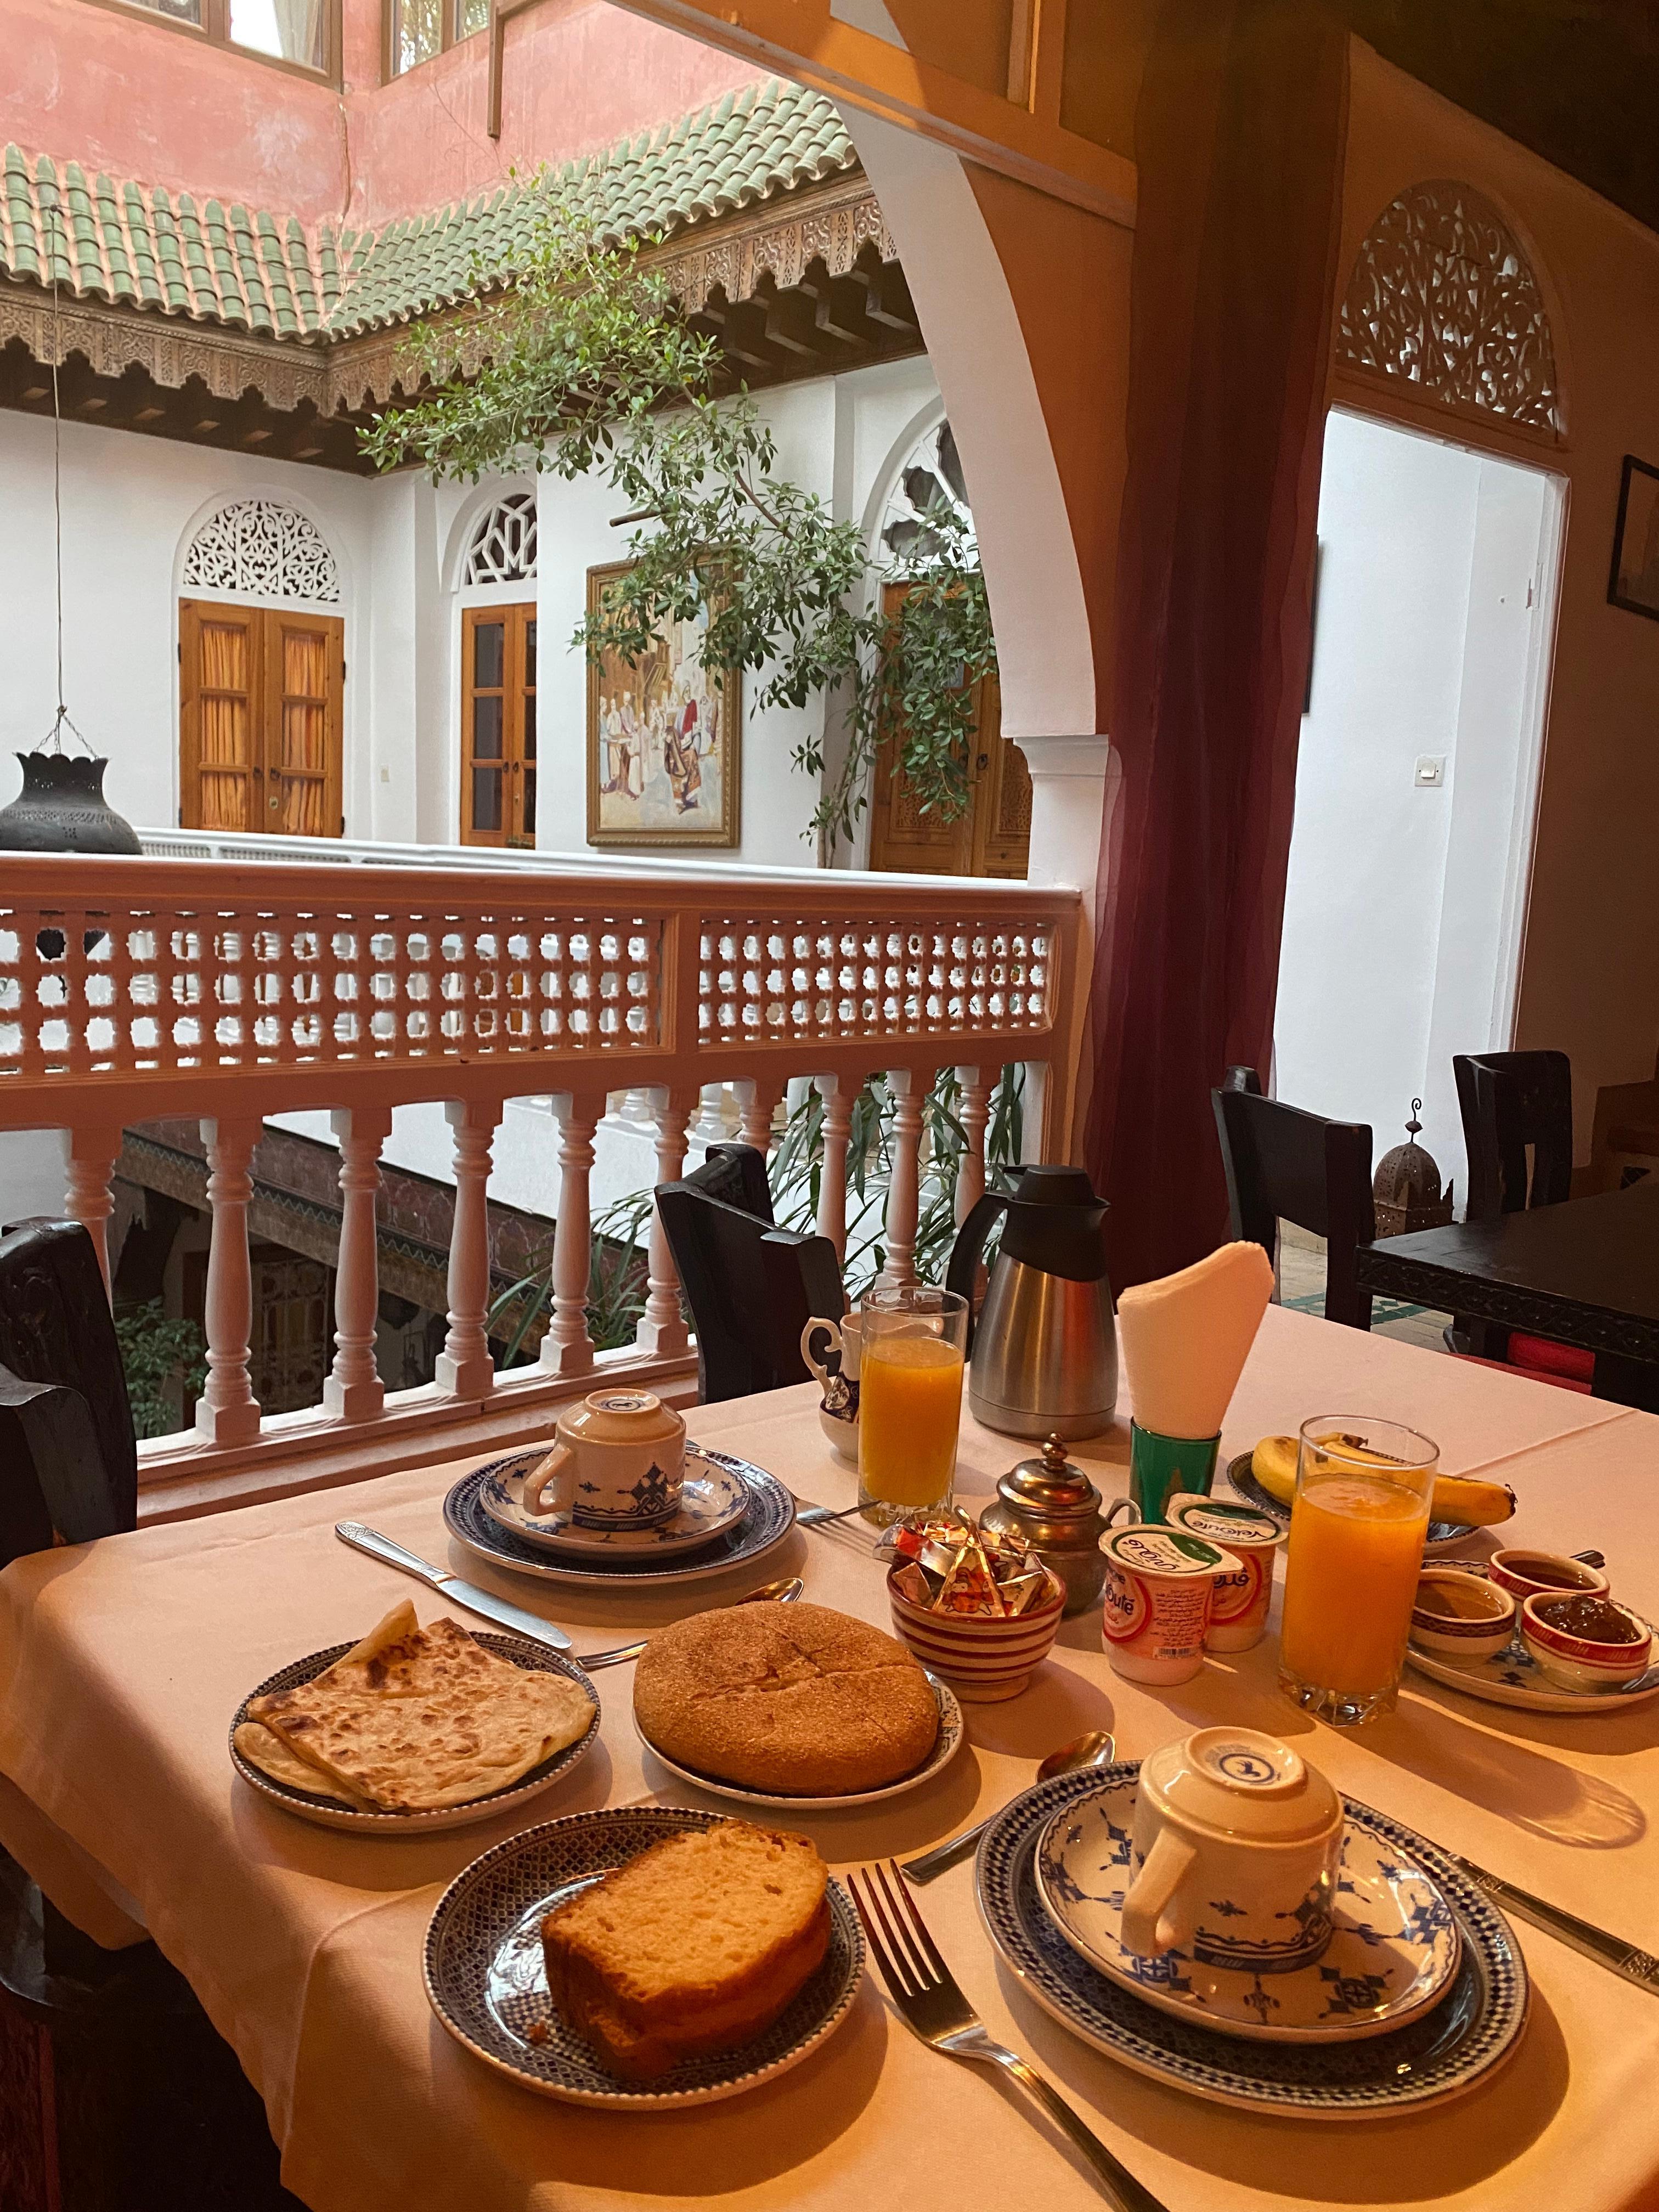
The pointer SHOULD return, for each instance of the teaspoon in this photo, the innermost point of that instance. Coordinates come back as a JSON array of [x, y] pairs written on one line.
[[1097, 1748]]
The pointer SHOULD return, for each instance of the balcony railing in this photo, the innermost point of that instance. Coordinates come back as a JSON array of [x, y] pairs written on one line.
[[134, 988]]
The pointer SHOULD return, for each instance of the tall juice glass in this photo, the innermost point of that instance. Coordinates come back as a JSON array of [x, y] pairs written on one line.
[[1355, 1550], [913, 1340]]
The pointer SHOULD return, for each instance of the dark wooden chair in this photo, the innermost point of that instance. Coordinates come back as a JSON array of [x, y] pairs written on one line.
[[116, 2093], [68, 1461], [1513, 1103], [1509, 1101], [1285, 1165], [751, 1286]]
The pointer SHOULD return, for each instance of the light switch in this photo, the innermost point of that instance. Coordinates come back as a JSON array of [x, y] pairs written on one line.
[[1431, 771], [386, 776]]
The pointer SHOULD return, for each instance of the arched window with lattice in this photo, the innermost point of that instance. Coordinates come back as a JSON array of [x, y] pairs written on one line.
[[1444, 300], [261, 675], [502, 547]]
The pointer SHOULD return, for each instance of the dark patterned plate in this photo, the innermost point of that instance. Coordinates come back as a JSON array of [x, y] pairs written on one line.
[[486, 1981], [327, 1813], [1474, 2028], [769, 1519], [1442, 1535]]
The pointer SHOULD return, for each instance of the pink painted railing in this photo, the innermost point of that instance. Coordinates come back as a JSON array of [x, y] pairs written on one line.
[[134, 988]]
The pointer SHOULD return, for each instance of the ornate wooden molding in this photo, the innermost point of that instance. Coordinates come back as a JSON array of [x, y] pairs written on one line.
[[170, 350]]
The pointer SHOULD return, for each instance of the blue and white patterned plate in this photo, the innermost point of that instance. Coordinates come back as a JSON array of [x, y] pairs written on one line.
[[330, 1813], [714, 1498], [1513, 1677], [1476, 2025], [769, 1516], [1393, 1953], [486, 1979], [946, 1745]]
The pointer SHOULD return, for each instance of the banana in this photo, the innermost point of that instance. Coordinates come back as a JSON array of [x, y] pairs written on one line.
[[1465, 1499]]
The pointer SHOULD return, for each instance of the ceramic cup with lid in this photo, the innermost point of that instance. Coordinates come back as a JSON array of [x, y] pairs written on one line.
[[1235, 1846], [1156, 1600], [1238, 1609], [619, 1463]]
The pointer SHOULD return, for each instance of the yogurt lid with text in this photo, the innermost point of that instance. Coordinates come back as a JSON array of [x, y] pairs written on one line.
[[1147, 1547], [1222, 1522]]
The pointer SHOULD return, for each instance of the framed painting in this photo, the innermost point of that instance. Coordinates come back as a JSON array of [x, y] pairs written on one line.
[[665, 741], [1634, 582]]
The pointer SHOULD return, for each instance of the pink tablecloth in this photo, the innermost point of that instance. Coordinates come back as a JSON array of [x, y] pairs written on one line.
[[121, 1661]]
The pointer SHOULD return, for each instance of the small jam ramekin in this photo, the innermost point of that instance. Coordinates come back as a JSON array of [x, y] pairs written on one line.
[[1458, 1636], [1579, 1662], [1508, 1568]]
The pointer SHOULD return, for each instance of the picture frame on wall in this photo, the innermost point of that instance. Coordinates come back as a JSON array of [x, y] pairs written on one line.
[[665, 741], [1634, 582]]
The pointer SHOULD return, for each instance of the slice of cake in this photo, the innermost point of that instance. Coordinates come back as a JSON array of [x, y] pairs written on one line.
[[695, 1946]]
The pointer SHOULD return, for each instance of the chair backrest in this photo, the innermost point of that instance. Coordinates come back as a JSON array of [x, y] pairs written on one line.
[[1284, 1165], [68, 1461], [1509, 1100], [752, 1287], [1243, 1078]]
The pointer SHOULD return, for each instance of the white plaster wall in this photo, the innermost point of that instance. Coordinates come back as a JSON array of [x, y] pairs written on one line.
[[1391, 958]]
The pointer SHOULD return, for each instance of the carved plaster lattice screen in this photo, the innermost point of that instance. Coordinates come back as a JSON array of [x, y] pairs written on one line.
[[265, 549], [503, 547], [930, 485], [1442, 297]]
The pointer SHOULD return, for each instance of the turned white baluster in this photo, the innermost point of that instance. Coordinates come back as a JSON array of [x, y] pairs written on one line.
[[93, 1150], [567, 1348], [662, 1331], [972, 1111], [904, 1179], [227, 1412], [354, 1390], [758, 1103], [465, 1367], [832, 1182], [710, 1126]]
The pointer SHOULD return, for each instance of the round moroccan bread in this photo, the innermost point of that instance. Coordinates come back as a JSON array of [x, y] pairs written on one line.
[[793, 1699]]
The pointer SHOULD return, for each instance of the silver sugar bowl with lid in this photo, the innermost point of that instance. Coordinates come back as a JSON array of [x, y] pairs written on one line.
[[1056, 1509]]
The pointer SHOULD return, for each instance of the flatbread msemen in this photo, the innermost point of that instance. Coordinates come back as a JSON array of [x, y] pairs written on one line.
[[414, 1719], [262, 1747]]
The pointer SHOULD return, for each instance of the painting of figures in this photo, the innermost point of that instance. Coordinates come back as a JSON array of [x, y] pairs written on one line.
[[663, 741]]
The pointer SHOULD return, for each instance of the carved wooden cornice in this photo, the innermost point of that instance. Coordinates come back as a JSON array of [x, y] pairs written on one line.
[[736, 258]]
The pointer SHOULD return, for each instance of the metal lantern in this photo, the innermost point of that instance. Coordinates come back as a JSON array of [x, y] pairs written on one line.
[[62, 809], [1406, 1189]]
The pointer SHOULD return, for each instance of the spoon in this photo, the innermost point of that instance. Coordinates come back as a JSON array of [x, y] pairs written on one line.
[[1097, 1748], [779, 1593]]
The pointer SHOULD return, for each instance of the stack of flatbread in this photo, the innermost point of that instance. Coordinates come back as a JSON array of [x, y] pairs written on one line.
[[413, 1719]]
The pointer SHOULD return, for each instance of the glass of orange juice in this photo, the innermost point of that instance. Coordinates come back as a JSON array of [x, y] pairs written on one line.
[[1355, 1550], [912, 1343]]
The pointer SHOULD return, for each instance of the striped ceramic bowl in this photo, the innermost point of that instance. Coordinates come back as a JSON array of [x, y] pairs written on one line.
[[983, 1661]]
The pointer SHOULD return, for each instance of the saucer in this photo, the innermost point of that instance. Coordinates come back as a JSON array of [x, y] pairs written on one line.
[[1444, 2052], [1513, 1677], [1394, 1951], [760, 1530], [1443, 1536], [714, 1498]]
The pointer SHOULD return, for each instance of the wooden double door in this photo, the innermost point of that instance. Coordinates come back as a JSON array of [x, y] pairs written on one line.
[[498, 726], [261, 693]]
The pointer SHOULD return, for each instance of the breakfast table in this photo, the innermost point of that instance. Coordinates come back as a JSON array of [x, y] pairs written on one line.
[[121, 1661]]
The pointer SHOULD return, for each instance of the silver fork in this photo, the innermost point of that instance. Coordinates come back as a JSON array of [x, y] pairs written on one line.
[[926, 1994]]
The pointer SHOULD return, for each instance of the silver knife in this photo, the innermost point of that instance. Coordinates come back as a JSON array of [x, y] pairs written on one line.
[[1620, 1958], [451, 1587]]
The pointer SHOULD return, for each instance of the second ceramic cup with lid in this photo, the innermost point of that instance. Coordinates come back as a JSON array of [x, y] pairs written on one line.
[[1236, 1843]]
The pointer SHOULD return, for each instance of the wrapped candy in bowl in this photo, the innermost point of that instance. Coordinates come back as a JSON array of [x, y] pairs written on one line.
[[974, 1605]]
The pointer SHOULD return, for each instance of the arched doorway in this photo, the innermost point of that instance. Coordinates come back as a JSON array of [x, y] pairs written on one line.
[[498, 675]]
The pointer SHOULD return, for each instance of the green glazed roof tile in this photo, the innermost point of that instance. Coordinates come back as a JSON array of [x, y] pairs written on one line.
[[263, 271]]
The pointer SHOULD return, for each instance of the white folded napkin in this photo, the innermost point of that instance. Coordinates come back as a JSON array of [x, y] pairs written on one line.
[[1186, 1338]]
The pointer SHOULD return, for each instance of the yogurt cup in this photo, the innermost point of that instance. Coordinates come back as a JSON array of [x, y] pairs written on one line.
[[1160, 1584], [1238, 1610]]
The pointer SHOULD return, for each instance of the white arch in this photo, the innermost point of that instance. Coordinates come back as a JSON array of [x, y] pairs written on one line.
[[467, 515], [1044, 643], [318, 563]]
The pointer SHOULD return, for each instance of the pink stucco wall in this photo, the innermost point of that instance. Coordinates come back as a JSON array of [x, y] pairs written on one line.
[[137, 99]]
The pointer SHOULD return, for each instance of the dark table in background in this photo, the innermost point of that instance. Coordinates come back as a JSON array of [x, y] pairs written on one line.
[[1585, 1272]]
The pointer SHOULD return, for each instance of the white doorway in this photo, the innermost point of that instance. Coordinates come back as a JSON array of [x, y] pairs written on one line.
[[1416, 779]]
